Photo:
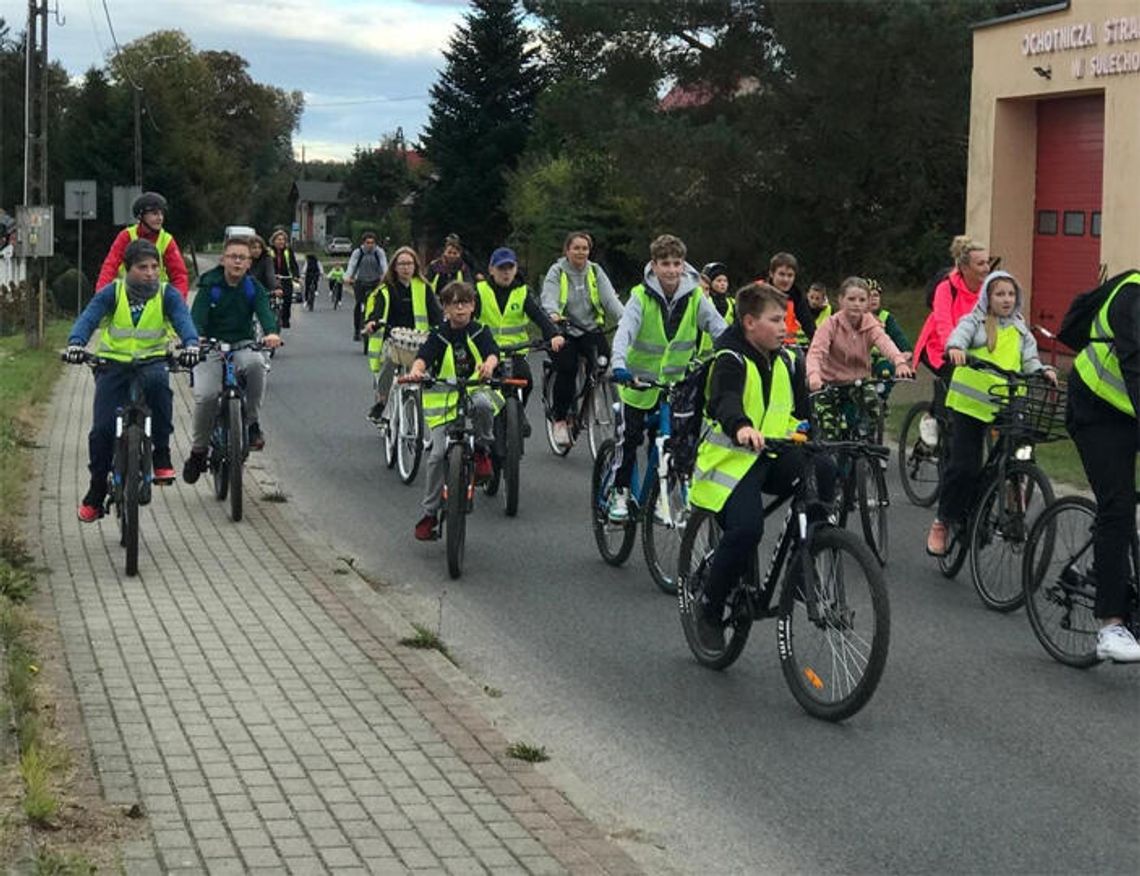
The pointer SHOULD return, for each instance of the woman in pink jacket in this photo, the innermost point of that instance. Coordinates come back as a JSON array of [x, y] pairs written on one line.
[[954, 297], [840, 351]]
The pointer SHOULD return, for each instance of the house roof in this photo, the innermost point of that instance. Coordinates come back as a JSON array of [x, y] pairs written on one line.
[[317, 192]]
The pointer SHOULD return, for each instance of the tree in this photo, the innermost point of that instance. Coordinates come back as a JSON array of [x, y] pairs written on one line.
[[481, 110]]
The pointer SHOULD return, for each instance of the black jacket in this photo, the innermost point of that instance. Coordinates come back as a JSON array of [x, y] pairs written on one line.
[[1124, 319], [400, 311], [532, 308], [433, 349]]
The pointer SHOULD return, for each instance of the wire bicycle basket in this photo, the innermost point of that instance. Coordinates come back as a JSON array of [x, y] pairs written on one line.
[[1030, 410]]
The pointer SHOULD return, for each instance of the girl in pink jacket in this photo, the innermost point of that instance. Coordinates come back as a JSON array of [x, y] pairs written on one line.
[[840, 352]]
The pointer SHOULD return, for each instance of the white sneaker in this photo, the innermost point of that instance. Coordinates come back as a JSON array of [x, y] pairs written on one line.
[[619, 506], [561, 433], [662, 512], [928, 430], [1117, 644]]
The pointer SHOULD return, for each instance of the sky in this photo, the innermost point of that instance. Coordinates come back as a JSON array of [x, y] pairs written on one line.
[[364, 66]]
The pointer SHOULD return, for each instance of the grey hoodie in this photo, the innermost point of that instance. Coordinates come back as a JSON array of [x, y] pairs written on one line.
[[579, 310], [708, 320], [970, 332]]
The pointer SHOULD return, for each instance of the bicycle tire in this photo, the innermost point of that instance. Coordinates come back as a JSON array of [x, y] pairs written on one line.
[[998, 583], [548, 410], [411, 446], [599, 416], [920, 466], [235, 446], [874, 505], [132, 484], [456, 521], [957, 550], [219, 470], [615, 540], [697, 545], [661, 543], [390, 431], [1060, 595], [822, 676], [512, 423]]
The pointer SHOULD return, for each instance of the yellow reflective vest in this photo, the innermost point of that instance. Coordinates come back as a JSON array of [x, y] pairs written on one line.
[[1098, 364], [705, 347], [124, 340], [161, 244], [419, 314], [591, 287], [970, 387], [652, 355], [441, 403], [507, 326]]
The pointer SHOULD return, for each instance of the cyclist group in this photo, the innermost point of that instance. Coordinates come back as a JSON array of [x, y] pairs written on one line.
[[756, 392]]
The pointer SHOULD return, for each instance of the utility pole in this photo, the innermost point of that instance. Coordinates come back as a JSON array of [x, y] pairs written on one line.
[[35, 154], [138, 136]]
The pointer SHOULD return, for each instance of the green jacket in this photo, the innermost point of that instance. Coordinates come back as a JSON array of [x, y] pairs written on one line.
[[230, 317]]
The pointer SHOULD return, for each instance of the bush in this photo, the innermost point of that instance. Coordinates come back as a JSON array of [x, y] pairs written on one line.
[[63, 290]]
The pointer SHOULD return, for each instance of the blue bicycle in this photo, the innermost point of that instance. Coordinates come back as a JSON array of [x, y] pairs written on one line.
[[658, 499]]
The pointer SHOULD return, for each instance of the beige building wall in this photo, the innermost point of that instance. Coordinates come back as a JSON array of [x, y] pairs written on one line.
[[1003, 122]]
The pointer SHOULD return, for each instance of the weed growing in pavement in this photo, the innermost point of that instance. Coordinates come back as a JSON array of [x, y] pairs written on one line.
[[526, 751], [493, 692], [37, 766], [274, 496], [51, 863], [426, 640], [16, 584]]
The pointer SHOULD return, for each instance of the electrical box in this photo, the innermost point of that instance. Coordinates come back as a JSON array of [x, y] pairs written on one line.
[[35, 233]]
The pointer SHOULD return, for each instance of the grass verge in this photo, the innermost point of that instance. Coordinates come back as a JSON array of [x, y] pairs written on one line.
[[527, 752], [426, 640]]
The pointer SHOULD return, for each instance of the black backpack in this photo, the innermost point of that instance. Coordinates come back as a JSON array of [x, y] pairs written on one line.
[[687, 417], [1078, 320]]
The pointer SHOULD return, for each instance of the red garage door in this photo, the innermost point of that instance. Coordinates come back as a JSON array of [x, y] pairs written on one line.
[[1066, 242]]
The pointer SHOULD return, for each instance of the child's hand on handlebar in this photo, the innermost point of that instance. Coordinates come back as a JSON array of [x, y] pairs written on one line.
[[746, 436], [623, 375], [487, 369], [958, 357], [904, 370], [557, 343], [272, 341], [1050, 374], [815, 382]]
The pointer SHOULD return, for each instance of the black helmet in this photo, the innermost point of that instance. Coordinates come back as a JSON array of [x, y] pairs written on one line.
[[713, 270], [148, 201], [139, 249]]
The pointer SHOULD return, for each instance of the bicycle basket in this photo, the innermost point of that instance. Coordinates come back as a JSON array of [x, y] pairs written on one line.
[[1030, 410], [403, 344]]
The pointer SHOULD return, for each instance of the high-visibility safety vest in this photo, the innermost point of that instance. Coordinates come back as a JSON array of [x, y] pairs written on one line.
[[652, 355], [705, 347], [458, 278], [125, 341], [882, 315], [285, 256], [721, 462], [970, 387], [164, 240], [591, 287], [507, 326], [441, 403], [1098, 363], [801, 336], [419, 316]]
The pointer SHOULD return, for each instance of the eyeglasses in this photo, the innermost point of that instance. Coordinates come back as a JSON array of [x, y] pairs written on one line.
[[404, 264], [236, 258]]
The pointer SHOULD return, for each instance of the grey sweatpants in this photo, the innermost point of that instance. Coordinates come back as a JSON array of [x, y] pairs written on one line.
[[483, 415], [208, 383]]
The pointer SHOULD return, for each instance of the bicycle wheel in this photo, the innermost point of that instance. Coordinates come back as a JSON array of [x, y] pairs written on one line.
[[694, 556], [834, 633], [390, 429], [411, 433], [1057, 581], [660, 538], [600, 417], [132, 483], [615, 540], [920, 463], [548, 378], [957, 548], [218, 467], [235, 430], [998, 532], [874, 505], [512, 423], [456, 509]]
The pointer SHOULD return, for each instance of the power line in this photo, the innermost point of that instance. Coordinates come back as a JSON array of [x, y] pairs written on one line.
[[350, 102], [118, 48]]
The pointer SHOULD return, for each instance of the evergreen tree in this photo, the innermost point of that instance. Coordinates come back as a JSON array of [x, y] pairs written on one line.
[[481, 110]]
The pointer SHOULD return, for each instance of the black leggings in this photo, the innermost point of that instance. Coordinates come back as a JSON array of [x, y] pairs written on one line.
[[960, 477], [589, 346]]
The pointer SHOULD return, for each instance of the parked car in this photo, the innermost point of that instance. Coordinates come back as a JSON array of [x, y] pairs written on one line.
[[338, 246]]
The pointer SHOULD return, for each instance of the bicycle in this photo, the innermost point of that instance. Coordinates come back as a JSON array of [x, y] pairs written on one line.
[[336, 291], [509, 434], [229, 439], [832, 588], [662, 520], [857, 412], [1011, 489], [459, 480], [129, 484], [1058, 583], [593, 406], [310, 294], [402, 423]]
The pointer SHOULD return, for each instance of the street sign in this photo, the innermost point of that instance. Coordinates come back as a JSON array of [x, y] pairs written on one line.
[[122, 198], [35, 233], [79, 199]]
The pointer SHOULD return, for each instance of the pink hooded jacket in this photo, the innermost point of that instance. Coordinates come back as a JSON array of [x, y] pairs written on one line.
[[952, 301], [841, 352]]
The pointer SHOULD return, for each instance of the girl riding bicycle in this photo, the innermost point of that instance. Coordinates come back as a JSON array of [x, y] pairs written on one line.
[[995, 332]]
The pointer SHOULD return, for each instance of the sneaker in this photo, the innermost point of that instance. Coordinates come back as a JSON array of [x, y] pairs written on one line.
[[256, 437], [91, 508], [937, 538], [710, 630], [661, 511], [928, 430], [164, 472], [1117, 644], [483, 467], [375, 414], [195, 465], [619, 506], [426, 528], [561, 433]]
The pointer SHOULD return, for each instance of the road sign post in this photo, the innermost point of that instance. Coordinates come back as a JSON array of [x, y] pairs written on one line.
[[79, 203]]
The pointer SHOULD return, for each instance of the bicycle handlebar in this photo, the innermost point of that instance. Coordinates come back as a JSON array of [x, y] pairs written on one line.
[[94, 360], [986, 365], [461, 382], [521, 346], [208, 345]]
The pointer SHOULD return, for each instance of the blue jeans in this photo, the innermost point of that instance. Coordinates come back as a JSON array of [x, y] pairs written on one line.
[[112, 391]]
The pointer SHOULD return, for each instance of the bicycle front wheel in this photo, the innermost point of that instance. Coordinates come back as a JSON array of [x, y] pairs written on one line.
[[1058, 584], [615, 539], [512, 456], [132, 484], [390, 431], [834, 630], [456, 509], [600, 417], [234, 451], [410, 447], [874, 505], [701, 536], [548, 379], [663, 528], [920, 462], [999, 530]]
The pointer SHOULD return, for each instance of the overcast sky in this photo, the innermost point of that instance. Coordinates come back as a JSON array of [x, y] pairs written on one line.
[[365, 66]]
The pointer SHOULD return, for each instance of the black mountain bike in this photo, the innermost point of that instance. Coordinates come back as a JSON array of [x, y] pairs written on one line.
[[593, 408], [508, 450], [229, 439], [833, 614]]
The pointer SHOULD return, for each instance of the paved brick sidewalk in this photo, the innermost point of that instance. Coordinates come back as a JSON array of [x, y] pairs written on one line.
[[262, 713]]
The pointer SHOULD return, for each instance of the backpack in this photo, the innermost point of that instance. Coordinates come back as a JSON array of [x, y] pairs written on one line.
[[933, 283], [247, 287], [687, 417], [1077, 322]]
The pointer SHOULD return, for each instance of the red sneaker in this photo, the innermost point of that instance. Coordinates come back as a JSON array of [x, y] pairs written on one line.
[[164, 475], [89, 513], [425, 529], [483, 467]]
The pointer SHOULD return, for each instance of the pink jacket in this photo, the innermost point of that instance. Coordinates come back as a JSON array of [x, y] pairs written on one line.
[[841, 352], [952, 301]]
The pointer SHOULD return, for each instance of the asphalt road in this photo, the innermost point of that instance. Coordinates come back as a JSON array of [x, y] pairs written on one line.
[[977, 754]]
